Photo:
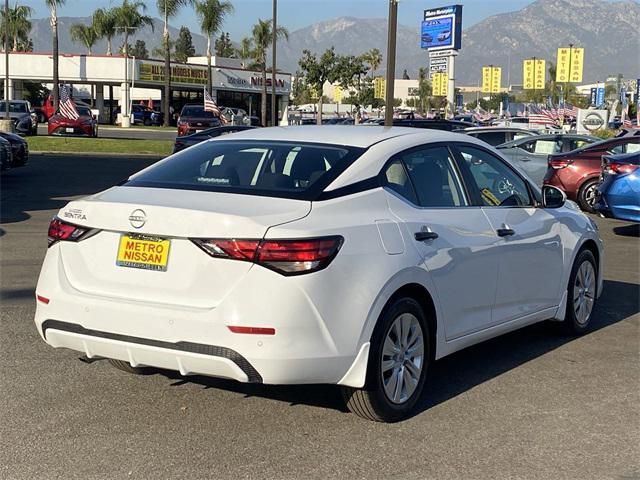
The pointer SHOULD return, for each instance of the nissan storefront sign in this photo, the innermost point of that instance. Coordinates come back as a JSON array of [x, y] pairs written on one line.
[[589, 121]]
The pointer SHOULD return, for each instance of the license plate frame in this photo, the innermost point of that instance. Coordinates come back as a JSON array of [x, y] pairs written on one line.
[[147, 258], [69, 130]]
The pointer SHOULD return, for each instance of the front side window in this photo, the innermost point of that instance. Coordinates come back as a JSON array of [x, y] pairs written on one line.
[[497, 184], [434, 178], [253, 167]]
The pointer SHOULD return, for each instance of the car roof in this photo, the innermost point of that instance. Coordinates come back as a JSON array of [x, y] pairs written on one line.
[[347, 135]]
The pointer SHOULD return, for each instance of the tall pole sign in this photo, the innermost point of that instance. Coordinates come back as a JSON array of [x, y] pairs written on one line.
[[441, 35]]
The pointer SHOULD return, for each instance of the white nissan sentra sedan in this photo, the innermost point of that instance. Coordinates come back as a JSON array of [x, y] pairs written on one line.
[[340, 255]]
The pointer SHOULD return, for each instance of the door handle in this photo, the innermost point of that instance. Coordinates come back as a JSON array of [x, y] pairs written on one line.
[[505, 232], [426, 235]]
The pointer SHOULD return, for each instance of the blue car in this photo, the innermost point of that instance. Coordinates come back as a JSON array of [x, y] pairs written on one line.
[[619, 192]]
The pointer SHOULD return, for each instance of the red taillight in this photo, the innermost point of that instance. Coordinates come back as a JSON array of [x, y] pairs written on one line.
[[59, 230], [622, 168], [289, 257], [559, 163], [252, 330]]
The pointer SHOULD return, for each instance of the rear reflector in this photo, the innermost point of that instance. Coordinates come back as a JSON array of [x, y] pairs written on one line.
[[42, 299], [252, 330], [288, 257]]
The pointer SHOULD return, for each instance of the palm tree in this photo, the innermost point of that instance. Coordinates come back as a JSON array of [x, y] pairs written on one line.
[[53, 6], [130, 19], [18, 25], [261, 37], [212, 14], [374, 58], [168, 9], [84, 34], [104, 23], [244, 52]]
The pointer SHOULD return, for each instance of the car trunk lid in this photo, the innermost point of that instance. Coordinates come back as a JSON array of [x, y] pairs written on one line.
[[190, 277]]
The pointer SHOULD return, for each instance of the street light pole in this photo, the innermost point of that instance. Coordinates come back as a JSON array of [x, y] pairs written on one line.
[[6, 60], [274, 112], [391, 62]]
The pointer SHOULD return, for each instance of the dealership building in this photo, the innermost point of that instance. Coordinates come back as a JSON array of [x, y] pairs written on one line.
[[101, 80]]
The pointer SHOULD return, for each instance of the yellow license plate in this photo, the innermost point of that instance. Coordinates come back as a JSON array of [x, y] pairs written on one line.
[[145, 253]]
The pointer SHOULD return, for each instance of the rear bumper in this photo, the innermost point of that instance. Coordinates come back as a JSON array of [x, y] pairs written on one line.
[[186, 357], [305, 348]]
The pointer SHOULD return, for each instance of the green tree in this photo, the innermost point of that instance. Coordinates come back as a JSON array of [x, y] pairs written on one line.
[[316, 71], [168, 9], [130, 18], [53, 7], [223, 46], [84, 34], [139, 50], [183, 47], [212, 14], [350, 70], [18, 25], [373, 58], [261, 36], [244, 51], [104, 23]]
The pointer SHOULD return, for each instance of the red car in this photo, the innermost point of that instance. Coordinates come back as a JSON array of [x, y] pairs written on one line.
[[194, 119], [577, 173], [85, 126]]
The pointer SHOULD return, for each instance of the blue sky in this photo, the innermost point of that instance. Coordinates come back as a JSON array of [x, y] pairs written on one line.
[[295, 14]]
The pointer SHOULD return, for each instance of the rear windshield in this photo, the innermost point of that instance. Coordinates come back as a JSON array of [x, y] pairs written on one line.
[[196, 112], [279, 169]]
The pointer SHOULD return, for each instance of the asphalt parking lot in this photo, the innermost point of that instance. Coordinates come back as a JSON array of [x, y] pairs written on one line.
[[532, 404]]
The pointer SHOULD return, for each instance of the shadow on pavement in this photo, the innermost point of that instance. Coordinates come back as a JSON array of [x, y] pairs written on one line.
[[459, 372], [632, 230], [57, 177]]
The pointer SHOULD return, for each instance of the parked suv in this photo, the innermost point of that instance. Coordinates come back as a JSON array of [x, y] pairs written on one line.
[[194, 119]]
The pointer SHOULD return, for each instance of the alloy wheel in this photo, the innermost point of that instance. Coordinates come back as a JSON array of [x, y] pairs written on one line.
[[584, 289], [590, 194], [402, 358]]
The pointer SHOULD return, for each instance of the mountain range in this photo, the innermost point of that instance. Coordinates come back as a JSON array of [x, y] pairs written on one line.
[[608, 31]]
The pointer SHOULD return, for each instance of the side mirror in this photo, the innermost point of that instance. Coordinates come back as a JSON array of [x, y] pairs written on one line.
[[552, 197]]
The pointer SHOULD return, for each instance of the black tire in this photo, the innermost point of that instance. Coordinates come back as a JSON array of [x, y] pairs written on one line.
[[572, 324], [585, 200], [147, 122], [126, 367], [371, 402]]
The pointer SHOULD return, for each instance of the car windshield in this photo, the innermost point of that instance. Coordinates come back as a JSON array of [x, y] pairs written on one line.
[[280, 169], [14, 107], [196, 112], [84, 111]]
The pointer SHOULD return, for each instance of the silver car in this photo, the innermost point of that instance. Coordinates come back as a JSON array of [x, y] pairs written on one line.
[[531, 153]]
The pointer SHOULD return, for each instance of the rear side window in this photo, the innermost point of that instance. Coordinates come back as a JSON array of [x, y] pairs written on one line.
[[430, 173], [492, 138], [292, 170]]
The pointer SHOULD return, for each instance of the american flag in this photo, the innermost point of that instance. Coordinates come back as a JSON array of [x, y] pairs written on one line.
[[67, 107], [209, 104], [542, 116]]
